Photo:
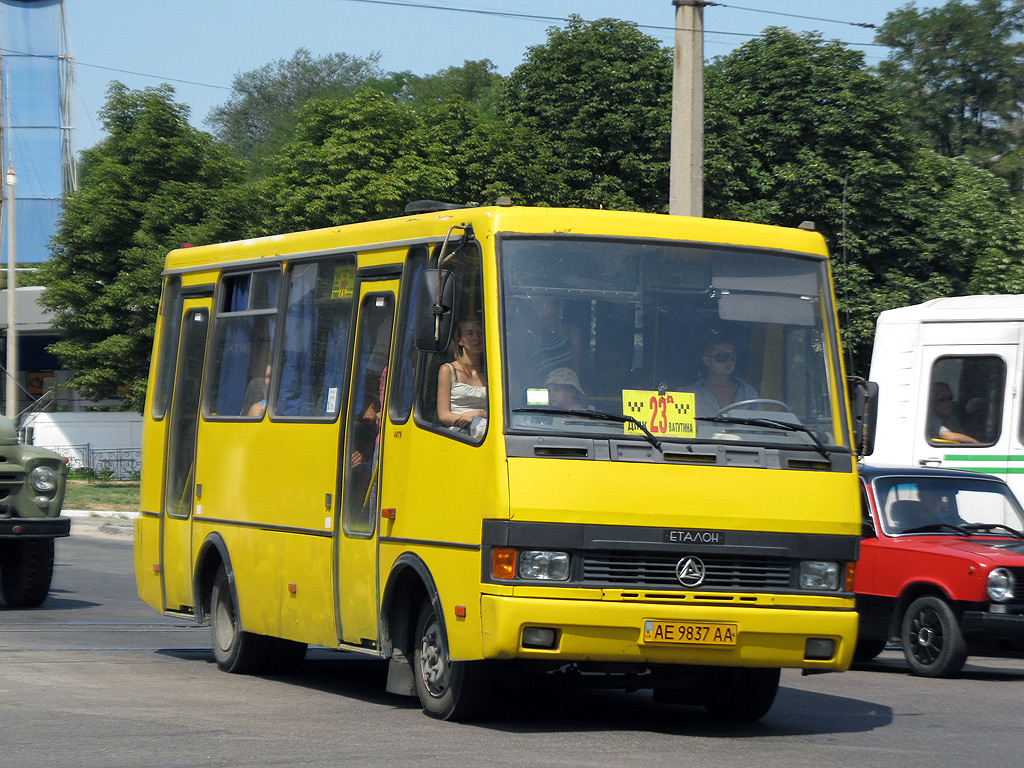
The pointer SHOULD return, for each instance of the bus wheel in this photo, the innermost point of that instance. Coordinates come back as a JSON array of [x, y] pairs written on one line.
[[448, 690], [235, 650], [26, 569], [868, 648], [741, 694], [932, 642]]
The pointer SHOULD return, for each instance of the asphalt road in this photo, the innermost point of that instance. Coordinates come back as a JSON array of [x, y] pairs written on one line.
[[96, 678]]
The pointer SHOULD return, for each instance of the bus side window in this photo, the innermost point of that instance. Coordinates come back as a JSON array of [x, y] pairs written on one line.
[[243, 337], [167, 350], [467, 271], [315, 333], [406, 357]]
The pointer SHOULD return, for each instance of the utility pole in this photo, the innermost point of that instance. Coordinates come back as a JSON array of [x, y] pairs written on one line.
[[12, 284], [686, 165]]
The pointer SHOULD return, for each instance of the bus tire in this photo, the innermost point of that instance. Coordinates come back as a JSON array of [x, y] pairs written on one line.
[[243, 653], [448, 690], [868, 648], [26, 570], [741, 694]]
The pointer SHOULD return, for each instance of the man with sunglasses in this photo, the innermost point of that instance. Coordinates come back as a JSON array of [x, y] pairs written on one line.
[[943, 424], [718, 387]]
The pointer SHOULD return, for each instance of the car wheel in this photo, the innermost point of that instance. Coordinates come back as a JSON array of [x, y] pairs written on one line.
[[26, 570], [932, 641], [869, 647], [448, 690], [740, 694], [235, 651]]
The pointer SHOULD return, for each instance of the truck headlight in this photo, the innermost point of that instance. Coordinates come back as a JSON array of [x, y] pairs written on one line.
[[43, 479], [543, 565], [819, 575], [1000, 585]]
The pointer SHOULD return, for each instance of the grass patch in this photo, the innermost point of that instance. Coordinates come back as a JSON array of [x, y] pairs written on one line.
[[102, 495]]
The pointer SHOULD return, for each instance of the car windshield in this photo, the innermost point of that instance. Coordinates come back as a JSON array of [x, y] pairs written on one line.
[[945, 504], [696, 342]]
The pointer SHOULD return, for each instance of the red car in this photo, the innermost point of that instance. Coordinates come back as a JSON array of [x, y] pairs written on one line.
[[941, 566]]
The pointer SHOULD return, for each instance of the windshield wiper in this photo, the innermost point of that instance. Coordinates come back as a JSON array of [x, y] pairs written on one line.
[[771, 423], [980, 527], [935, 527], [600, 416]]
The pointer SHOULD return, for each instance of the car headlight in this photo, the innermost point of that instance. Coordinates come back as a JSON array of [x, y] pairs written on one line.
[[543, 565], [1000, 585], [43, 479], [819, 575]]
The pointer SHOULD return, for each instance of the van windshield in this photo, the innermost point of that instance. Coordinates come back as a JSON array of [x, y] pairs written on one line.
[[696, 342]]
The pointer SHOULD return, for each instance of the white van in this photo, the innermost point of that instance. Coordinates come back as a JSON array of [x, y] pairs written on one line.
[[949, 372]]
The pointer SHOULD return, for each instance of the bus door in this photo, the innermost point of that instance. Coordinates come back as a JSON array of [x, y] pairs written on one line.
[[358, 588], [180, 459], [965, 409]]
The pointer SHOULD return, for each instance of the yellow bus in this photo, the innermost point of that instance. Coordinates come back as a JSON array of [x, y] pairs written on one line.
[[490, 443]]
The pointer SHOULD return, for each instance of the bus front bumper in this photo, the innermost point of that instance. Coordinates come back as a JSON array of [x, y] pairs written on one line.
[[604, 631]]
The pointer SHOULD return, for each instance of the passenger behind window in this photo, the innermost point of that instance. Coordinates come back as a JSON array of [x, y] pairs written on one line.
[[552, 343], [462, 383], [256, 393], [718, 386], [943, 423], [565, 392]]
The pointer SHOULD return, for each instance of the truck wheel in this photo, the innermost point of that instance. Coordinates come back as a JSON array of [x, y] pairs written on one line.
[[235, 651], [26, 570], [932, 642], [448, 690], [741, 694]]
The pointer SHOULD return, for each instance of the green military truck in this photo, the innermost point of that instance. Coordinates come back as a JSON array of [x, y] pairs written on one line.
[[32, 482]]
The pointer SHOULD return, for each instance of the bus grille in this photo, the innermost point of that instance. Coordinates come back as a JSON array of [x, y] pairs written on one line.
[[653, 571]]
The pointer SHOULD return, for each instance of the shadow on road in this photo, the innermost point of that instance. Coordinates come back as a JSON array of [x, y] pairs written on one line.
[[796, 712]]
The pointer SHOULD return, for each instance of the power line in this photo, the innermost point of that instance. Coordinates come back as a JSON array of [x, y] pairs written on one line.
[[660, 28], [863, 24], [12, 52]]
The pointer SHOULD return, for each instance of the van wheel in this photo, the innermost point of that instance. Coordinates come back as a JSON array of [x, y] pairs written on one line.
[[932, 641], [235, 651], [448, 690], [740, 694], [26, 570]]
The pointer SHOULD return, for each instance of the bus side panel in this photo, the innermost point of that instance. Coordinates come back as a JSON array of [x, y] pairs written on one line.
[[440, 488], [147, 560], [268, 488], [283, 581]]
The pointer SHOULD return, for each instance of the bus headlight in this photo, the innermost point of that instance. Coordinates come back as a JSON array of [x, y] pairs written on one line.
[[543, 565], [819, 575], [1000, 585], [43, 479]]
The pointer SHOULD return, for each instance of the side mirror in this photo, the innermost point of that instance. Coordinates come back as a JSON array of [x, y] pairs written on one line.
[[864, 410], [435, 310]]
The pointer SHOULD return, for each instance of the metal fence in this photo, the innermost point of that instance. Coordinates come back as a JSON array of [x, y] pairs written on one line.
[[112, 463]]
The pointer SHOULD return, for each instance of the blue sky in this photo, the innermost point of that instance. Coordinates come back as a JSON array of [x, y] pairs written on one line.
[[198, 46]]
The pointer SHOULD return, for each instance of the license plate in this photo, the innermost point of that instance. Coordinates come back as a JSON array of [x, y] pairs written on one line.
[[692, 632]]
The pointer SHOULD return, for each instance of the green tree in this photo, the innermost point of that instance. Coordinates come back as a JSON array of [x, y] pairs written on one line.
[[600, 93], [259, 116], [798, 129], [367, 156], [960, 67], [476, 82], [352, 160], [152, 184]]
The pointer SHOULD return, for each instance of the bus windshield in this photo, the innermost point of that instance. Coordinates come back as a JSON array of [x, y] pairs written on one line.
[[694, 341]]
